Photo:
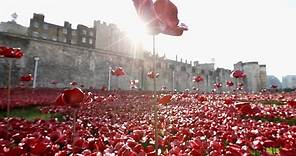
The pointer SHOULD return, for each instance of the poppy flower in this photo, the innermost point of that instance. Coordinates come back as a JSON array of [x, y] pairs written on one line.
[[10, 52], [104, 88], [292, 103], [165, 99], [73, 96], [244, 108], [60, 100], [133, 84], [274, 86], [229, 83], [54, 82], [198, 79], [218, 85], [26, 78], [163, 88], [168, 14], [152, 75], [73, 83], [238, 74], [118, 72], [146, 11], [240, 84], [160, 17]]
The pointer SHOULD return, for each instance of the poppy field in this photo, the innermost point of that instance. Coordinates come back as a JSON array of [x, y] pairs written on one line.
[[122, 123]]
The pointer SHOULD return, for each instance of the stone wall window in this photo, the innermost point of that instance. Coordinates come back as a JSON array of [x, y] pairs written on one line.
[[36, 24], [172, 67], [84, 32], [90, 41], [83, 40], [35, 34], [193, 70], [158, 65], [73, 42], [74, 33], [183, 68], [65, 31], [45, 26], [91, 33], [44, 36]]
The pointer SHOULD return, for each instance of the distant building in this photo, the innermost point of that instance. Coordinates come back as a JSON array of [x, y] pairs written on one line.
[[82, 36], [289, 81], [109, 37], [256, 75], [272, 80], [14, 28]]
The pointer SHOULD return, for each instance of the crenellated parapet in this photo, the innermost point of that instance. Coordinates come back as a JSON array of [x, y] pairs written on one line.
[[86, 53], [82, 36]]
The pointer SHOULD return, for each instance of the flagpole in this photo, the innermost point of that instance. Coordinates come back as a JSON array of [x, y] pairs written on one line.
[[155, 99]]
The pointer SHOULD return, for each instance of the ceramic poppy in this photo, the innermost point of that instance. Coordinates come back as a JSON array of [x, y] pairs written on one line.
[[26, 78], [118, 72], [10, 52], [198, 79], [152, 75]]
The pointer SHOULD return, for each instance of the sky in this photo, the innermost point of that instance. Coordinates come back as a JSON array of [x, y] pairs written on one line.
[[227, 30]]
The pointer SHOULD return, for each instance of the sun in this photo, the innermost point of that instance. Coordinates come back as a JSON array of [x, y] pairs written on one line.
[[137, 31]]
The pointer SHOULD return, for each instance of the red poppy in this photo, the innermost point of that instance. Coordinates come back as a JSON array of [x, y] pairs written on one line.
[[292, 103], [161, 17], [229, 83], [73, 96], [26, 78], [10, 52], [118, 72], [238, 74], [218, 85], [104, 88], [168, 14], [60, 101], [240, 84], [54, 82], [274, 86], [146, 11], [244, 108], [133, 84], [198, 79], [163, 88], [73, 83], [152, 75], [165, 99]]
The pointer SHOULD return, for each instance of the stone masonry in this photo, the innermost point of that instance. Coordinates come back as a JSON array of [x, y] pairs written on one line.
[[85, 54]]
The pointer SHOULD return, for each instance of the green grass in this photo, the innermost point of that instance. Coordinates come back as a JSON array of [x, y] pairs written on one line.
[[255, 153], [29, 113], [273, 151], [272, 102], [290, 122]]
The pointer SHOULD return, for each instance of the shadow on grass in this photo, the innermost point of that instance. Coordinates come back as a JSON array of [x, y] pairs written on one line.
[[30, 113], [291, 121]]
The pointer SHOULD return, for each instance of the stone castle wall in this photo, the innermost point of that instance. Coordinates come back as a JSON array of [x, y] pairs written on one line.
[[65, 57]]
